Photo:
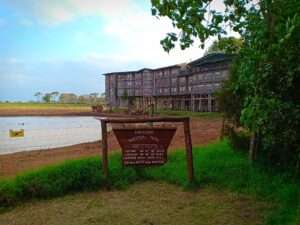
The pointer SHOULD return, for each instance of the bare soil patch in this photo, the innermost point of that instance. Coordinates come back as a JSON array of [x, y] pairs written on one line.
[[143, 203], [203, 131]]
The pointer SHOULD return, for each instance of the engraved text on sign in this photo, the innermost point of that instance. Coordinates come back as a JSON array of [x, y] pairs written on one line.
[[144, 146]]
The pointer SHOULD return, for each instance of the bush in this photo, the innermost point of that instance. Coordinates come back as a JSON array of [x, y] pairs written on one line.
[[240, 140]]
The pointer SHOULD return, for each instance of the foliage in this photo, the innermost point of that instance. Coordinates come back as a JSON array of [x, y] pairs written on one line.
[[38, 95], [54, 96], [267, 75], [230, 98], [230, 45], [47, 98], [216, 164]]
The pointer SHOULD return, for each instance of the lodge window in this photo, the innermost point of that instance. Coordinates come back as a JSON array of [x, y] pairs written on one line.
[[182, 89]]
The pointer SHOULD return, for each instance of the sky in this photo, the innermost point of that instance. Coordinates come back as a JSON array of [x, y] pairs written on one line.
[[66, 45]]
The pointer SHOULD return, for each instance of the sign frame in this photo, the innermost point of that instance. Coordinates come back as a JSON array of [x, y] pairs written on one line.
[[187, 136]]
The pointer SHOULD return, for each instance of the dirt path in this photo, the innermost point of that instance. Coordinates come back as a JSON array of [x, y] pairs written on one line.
[[142, 204], [203, 131]]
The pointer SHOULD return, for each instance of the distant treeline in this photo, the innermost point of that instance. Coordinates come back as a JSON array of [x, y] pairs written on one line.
[[69, 97]]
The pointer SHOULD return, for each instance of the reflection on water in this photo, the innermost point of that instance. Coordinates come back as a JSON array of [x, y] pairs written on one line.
[[47, 132]]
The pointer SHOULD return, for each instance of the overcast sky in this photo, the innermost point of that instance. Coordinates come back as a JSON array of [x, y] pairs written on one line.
[[65, 45]]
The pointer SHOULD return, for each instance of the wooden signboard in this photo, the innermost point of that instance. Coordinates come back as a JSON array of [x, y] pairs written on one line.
[[144, 146]]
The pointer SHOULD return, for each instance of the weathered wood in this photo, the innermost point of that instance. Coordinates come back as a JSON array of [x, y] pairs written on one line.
[[104, 148], [144, 146], [165, 83], [143, 120], [189, 149], [187, 135]]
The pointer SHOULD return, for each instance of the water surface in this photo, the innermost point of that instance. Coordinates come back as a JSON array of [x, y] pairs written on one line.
[[47, 132]]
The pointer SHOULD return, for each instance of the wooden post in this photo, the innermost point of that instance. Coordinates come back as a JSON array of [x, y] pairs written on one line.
[[209, 103], [189, 150], [187, 135], [104, 149], [192, 103]]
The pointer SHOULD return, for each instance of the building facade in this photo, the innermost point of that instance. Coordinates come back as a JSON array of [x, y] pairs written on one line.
[[179, 87]]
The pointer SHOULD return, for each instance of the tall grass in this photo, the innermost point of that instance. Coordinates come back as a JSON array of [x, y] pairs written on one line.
[[216, 164]]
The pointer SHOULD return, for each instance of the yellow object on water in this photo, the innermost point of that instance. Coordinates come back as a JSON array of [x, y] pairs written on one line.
[[16, 133]]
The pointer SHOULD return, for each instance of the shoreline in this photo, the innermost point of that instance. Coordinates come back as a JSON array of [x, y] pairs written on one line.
[[203, 132], [49, 113]]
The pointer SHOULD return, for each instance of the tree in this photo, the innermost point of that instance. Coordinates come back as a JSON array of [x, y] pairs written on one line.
[[226, 45], [47, 97], [68, 98], [266, 77], [38, 96], [94, 96], [54, 96]]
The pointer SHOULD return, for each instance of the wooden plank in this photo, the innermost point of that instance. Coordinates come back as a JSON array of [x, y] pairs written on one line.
[[187, 135], [143, 120], [189, 150], [104, 149]]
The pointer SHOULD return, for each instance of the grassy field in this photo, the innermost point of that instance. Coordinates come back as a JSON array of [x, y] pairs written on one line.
[[41, 106], [217, 166], [16, 108], [142, 203]]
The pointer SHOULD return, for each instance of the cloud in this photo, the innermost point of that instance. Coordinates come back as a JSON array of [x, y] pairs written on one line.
[[54, 12], [137, 34], [131, 34]]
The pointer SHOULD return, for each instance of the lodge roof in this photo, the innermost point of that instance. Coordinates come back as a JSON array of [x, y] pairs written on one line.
[[207, 59], [212, 58]]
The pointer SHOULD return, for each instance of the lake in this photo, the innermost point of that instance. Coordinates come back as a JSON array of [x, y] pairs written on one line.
[[47, 132]]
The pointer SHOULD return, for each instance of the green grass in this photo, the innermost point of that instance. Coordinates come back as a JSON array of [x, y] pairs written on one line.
[[24, 106], [216, 164], [210, 115], [146, 203]]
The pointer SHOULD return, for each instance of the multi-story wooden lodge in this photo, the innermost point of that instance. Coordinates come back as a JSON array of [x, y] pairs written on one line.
[[180, 87]]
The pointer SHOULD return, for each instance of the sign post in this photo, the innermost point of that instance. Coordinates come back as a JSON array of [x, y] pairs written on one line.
[[146, 146], [104, 148]]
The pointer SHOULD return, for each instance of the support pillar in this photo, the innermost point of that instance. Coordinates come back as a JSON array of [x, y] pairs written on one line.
[[200, 105], [193, 103], [209, 103]]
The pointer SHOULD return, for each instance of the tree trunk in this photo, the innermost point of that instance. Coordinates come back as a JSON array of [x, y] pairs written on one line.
[[253, 146]]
